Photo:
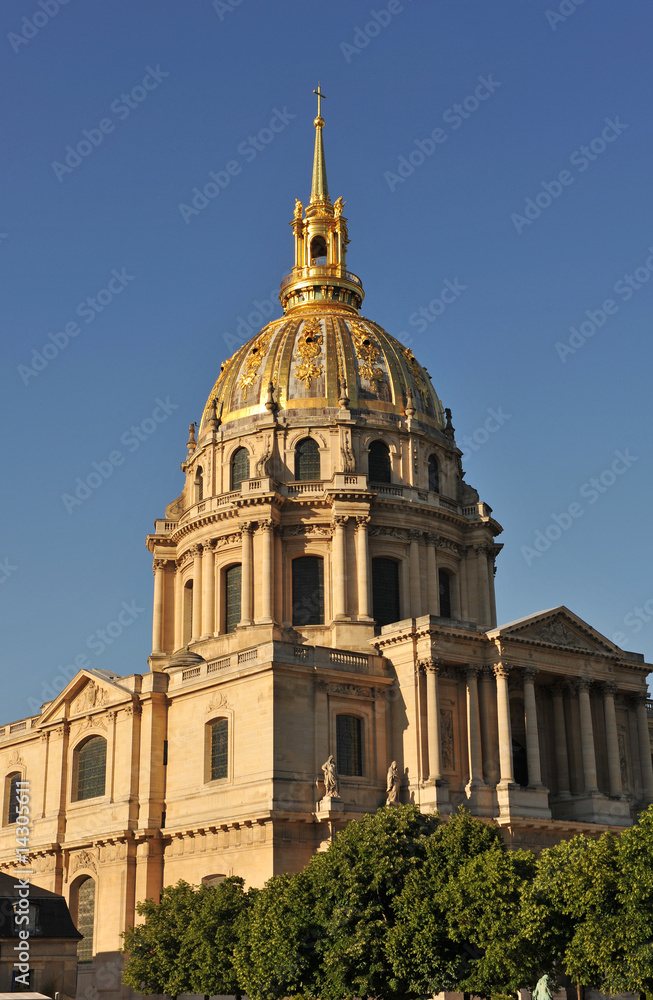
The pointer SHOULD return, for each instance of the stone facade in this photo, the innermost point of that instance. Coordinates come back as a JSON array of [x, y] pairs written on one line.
[[324, 585]]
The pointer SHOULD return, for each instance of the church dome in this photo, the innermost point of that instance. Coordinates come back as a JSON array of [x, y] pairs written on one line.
[[323, 356], [322, 353]]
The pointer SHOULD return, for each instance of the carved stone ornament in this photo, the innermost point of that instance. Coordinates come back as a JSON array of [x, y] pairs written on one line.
[[446, 740], [254, 358], [15, 759], [330, 777], [392, 785], [367, 354], [83, 860], [385, 531], [91, 696], [350, 689], [557, 633], [219, 700]]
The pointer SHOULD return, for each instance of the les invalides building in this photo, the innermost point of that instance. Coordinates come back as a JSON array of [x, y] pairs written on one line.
[[323, 608]]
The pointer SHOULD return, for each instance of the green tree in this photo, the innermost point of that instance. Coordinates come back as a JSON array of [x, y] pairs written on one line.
[[153, 947], [572, 910], [207, 948], [634, 969], [457, 920]]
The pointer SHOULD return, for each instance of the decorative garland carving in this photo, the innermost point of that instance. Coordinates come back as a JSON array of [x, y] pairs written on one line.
[[367, 352], [309, 347], [84, 860], [350, 689], [254, 357], [418, 378]]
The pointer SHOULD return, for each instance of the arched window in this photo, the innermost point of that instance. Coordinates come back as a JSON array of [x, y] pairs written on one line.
[[90, 766], [349, 744], [444, 585], [434, 475], [307, 459], [188, 612], [239, 467], [385, 591], [199, 485], [83, 913], [318, 250], [12, 793], [308, 591], [379, 463], [219, 749], [232, 590]]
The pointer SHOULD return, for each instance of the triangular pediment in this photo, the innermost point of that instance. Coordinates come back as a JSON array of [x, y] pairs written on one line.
[[557, 627], [86, 692]]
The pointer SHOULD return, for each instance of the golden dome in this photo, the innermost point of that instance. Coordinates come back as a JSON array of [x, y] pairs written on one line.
[[322, 352], [323, 358]]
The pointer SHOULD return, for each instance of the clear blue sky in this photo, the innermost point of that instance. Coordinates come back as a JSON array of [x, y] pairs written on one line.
[[534, 89]]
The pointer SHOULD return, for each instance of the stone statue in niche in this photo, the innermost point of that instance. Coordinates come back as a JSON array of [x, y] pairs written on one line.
[[330, 777], [393, 784]]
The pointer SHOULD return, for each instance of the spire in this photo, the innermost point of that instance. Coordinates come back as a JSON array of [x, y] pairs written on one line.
[[319, 186]]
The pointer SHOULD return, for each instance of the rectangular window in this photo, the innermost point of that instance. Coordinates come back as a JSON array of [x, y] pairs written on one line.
[[308, 591], [349, 744], [233, 581], [91, 768], [385, 591], [219, 749]]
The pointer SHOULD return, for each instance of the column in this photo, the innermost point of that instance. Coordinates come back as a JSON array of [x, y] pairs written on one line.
[[587, 735], [560, 739], [246, 575], [432, 588], [208, 589], [362, 560], [473, 729], [431, 669], [415, 584], [532, 734], [158, 569], [464, 585], [488, 727], [179, 607], [483, 603], [217, 597], [644, 749], [501, 673], [339, 582], [612, 738], [196, 623], [267, 571]]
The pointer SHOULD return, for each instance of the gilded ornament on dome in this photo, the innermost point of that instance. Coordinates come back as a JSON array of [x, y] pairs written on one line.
[[420, 384], [254, 358], [367, 353], [308, 348]]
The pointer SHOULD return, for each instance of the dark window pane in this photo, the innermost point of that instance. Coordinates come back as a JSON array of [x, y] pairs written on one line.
[[199, 486], [13, 798], [308, 591], [434, 478], [349, 744], [239, 467], [444, 581], [91, 768], [307, 460], [385, 591], [519, 764], [233, 578], [379, 463], [219, 748], [86, 919]]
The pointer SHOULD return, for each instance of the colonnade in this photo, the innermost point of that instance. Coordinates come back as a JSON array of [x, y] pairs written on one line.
[[481, 740]]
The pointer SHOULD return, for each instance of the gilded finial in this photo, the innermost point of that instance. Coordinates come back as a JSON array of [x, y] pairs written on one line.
[[319, 186]]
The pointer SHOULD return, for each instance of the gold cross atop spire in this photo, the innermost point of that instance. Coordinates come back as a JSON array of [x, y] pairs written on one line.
[[320, 95]]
